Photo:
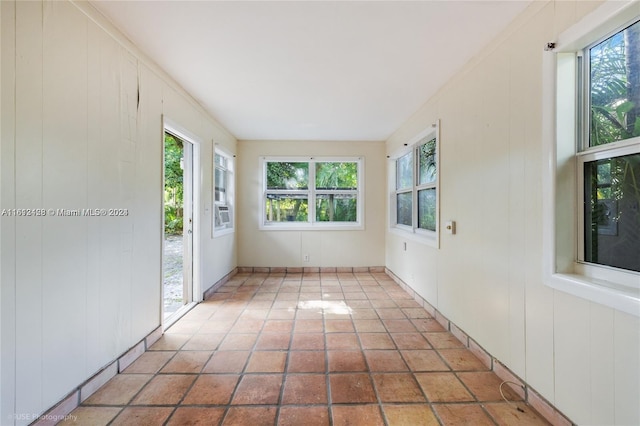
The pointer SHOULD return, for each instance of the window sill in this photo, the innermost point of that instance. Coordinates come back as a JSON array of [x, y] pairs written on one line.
[[220, 232], [599, 291], [315, 227], [560, 206], [429, 239]]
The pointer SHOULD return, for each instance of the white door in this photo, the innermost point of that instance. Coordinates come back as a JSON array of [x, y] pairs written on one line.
[[187, 232], [177, 261]]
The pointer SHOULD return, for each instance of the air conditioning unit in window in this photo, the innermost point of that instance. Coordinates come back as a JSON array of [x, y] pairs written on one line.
[[223, 215]]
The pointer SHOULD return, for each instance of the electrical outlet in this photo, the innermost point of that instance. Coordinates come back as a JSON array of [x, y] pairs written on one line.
[[305, 258]]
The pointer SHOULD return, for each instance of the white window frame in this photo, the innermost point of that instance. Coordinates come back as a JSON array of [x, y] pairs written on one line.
[[311, 192], [564, 268], [413, 232], [228, 228]]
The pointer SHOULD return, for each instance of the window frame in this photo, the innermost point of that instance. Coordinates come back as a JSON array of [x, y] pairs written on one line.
[[228, 170], [312, 192], [563, 124], [414, 232]]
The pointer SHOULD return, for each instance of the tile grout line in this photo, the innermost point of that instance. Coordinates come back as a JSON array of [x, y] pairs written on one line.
[[243, 371], [326, 363], [438, 315], [286, 362], [265, 317], [413, 373], [383, 414], [240, 374]]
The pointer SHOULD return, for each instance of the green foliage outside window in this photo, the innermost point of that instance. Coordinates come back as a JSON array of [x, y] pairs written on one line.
[[336, 175], [333, 207], [289, 190], [427, 209], [612, 185], [404, 177], [404, 208], [336, 208], [287, 175], [427, 168], [615, 87], [284, 208]]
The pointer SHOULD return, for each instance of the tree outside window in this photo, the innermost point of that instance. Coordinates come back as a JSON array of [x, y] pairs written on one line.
[[611, 171], [309, 192]]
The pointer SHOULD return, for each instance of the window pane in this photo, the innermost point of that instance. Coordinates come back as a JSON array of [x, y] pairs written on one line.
[[427, 162], [221, 161], [336, 208], [220, 186], [404, 178], [287, 208], [336, 175], [285, 175], [612, 212], [614, 67], [427, 209], [404, 208]]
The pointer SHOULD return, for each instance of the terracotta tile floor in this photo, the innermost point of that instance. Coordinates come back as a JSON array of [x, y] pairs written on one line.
[[312, 349]]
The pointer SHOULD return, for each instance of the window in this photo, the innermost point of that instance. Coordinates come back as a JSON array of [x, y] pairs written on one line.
[[415, 190], [312, 193], [592, 190], [223, 197], [610, 173]]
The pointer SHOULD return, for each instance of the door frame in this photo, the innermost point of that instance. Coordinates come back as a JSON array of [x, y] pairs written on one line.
[[170, 126]]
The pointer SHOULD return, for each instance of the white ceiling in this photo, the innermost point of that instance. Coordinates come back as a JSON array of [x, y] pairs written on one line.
[[311, 70]]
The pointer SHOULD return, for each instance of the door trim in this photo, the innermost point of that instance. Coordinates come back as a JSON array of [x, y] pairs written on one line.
[[171, 126]]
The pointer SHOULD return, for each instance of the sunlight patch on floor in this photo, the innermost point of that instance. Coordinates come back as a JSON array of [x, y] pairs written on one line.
[[326, 306]]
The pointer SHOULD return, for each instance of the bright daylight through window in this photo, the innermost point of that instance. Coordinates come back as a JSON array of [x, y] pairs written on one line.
[[312, 193], [223, 179], [610, 157], [416, 187], [591, 145]]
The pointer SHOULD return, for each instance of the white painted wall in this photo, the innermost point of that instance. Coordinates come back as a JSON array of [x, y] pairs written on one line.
[[277, 248], [82, 128], [1, 246], [77, 292], [487, 279]]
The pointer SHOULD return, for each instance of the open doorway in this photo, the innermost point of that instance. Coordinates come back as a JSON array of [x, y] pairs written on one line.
[[177, 264]]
